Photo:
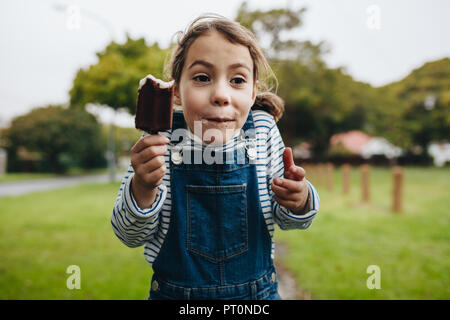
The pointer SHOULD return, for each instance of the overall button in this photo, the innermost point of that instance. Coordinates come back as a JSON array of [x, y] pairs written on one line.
[[176, 157], [251, 153], [155, 285], [272, 279]]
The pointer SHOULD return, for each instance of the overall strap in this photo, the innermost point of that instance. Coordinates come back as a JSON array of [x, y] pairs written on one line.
[[249, 127], [178, 120]]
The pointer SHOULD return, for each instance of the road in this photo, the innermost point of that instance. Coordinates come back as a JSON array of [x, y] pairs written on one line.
[[17, 188]]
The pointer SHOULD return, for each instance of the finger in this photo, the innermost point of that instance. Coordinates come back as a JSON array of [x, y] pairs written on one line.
[[149, 140], [151, 178], [296, 173], [285, 203], [291, 185], [150, 166], [288, 175], [288, 159], [150, 153], [282, 193]]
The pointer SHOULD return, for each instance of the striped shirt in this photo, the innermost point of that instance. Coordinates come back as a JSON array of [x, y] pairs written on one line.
[[135, 226]]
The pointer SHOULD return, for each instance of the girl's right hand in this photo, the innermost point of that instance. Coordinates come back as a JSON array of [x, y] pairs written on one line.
[[147, 159]]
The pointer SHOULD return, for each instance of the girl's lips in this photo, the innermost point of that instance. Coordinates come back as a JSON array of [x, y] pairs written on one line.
[[220, 119]]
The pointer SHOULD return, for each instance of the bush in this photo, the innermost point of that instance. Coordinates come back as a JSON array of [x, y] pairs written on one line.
[[57, 138]]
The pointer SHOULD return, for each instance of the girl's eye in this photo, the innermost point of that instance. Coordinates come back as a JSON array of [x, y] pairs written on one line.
[[201, 78], [238, 81]]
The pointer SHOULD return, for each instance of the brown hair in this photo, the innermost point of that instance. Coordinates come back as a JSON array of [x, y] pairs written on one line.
[[235, 33]]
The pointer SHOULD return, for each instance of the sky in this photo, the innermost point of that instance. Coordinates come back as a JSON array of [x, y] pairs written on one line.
[[44, 43]]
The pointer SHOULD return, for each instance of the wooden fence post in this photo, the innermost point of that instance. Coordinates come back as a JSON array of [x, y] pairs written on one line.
[[397, 189], [365, 182], [345, 169]]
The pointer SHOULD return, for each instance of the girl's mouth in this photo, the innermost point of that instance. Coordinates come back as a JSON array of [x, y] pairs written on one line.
[[220, 120]]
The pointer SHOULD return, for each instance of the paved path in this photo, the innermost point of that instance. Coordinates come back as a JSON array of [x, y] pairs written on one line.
[[288, 287], [17, 188]]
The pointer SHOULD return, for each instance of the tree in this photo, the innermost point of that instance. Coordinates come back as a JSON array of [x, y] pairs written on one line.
[[59, 137], [319, 101], [276, 24], [426, 109], [114, 79]]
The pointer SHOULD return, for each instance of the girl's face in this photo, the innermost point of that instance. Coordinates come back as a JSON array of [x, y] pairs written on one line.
[[216, 87]]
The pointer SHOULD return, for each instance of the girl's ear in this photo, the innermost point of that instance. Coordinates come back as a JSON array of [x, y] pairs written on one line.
[[176, 94], [255, 91]]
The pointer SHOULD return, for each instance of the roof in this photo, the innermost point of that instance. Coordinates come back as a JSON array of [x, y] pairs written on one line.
[[353, 141]]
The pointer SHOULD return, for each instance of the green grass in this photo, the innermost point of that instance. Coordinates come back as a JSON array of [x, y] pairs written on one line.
[[9, 177], [412, 249], [21, 176], [42, 234]]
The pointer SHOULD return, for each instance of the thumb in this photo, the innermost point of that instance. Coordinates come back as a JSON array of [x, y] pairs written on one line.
[[288, 159]]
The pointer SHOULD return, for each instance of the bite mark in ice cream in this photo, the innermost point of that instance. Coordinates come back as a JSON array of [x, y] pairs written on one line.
[[154, 105]]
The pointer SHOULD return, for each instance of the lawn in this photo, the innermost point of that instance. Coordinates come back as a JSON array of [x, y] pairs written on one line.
[[20, 176], [42, 234], [412, 249]]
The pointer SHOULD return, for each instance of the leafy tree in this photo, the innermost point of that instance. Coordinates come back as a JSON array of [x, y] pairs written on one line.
[[60, 137], [426, 109], [319, 101], [113, 80]]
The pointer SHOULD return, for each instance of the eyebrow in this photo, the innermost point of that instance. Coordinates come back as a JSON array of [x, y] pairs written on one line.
[[210, 65]]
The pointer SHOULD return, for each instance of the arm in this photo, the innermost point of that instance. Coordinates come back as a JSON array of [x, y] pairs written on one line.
[[295, 201], [135, 215]]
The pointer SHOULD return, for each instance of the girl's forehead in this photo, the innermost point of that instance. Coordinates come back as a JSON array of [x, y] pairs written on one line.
[[215, 46]]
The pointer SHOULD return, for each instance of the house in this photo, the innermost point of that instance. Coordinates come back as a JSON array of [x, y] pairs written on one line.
[[302, 151], [349, 143], [357, 143]]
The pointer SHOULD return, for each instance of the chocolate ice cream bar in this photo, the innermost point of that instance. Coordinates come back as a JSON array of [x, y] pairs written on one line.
[[154, 105]]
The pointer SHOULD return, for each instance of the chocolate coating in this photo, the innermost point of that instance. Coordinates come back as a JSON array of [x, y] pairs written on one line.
[[154, 107]]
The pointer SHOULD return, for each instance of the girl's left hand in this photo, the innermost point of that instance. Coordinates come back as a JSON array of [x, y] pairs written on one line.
[[292, 190]]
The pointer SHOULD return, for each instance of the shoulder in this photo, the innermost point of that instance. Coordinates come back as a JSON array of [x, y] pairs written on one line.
[[263, 120]]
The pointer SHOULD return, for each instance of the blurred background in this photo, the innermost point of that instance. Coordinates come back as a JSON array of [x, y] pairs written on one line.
[[367, 92]]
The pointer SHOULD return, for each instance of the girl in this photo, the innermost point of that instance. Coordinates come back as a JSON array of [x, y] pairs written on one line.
[[208, 226]]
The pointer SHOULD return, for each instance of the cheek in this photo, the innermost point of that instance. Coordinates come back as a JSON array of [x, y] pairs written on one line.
[[244, 103], [193, 100], [192, 107], [245, 97]]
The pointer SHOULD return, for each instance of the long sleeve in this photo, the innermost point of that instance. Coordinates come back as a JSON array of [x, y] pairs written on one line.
[[132, 225], [284, 217]]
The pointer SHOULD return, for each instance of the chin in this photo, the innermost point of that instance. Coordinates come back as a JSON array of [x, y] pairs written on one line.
[[218, 136]]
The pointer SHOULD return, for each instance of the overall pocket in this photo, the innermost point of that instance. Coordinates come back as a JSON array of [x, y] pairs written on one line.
[[217, 221]]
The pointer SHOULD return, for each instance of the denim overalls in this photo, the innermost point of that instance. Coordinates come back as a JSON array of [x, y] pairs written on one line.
[[217, 245]]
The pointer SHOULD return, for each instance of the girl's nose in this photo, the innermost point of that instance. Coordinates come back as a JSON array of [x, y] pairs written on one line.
[[220, 96]]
